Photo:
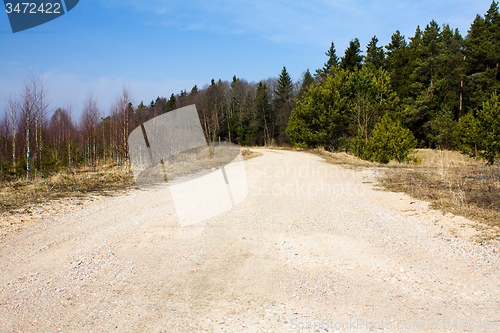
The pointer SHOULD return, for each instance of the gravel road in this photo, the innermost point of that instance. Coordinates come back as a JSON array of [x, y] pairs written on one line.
[[313, 248]]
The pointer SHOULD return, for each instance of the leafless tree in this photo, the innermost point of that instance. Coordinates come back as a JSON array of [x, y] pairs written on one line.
[[60, 130], [89, 124], [12, 116], [33, 108], [122, 113]]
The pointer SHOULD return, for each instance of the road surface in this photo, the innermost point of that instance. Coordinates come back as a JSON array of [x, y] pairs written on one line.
[[313, 248]]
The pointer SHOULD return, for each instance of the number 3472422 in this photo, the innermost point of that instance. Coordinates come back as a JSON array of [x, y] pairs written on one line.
[[33, 8]]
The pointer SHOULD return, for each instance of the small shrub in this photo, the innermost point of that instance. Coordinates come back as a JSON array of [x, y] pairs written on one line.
[[390, 141], [358, 145], [480, 136]]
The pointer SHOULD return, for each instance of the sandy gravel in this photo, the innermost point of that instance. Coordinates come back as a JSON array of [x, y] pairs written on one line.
[[314, 248]]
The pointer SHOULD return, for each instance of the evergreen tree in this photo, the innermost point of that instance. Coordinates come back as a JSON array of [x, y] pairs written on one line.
[[482, 51], [171, 104], [374, 54], [261, 127], [235, 108], [443, 127], [246, 134], [372, 97], [352, 58], [451, 72], [390, 141], [283, 105], [322, 118], [480, 136], [333, 61], [160, 106], [492, 20], [466, 135], [425, 102], [397, 61], [307, 81]]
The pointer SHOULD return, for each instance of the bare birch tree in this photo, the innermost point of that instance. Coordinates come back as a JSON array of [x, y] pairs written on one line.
[[89, 125], [12, 118]]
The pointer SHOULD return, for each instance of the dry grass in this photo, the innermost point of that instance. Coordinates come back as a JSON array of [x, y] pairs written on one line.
[[248, 154], [451, 182], [106, 180], [22, 192], [341, 158]]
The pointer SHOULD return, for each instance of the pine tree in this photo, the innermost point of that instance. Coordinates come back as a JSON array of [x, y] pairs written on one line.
[[480, 136], [397, 64], [307, 81], [390, 141], [492, 20], [261, 128], [322, 118], [425, 95], [283, 105], [352, 58], [333, 61], [171, 104], [374, 54], [482, 51]]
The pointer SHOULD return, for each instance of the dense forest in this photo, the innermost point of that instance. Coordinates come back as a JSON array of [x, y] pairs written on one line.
[[436, 89]]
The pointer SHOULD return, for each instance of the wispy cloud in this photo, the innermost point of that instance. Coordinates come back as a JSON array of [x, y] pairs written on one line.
[[314, 22]]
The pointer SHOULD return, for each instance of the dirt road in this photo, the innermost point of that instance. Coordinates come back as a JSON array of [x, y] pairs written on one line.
[[313, 248]]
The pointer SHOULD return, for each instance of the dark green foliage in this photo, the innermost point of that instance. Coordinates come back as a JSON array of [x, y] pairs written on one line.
[[482, 51], [390, 141], [480, 136], [358, 145], [466, 135], [261, 126], [322, 117], [436, 60], [307, 81], [283, 105], [443, 126], [333, 61], [171, 104], [352, 58], [397, 64], [375, 55]]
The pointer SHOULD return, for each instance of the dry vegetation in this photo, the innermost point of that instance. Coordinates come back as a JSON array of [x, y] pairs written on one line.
[[22, 192], [452, 182], [248, 154]]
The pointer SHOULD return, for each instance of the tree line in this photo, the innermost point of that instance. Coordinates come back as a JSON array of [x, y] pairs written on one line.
[[37, 142], [434, 89]]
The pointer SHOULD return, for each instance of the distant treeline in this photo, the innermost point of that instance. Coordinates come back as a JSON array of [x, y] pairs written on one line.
[[425, 83]]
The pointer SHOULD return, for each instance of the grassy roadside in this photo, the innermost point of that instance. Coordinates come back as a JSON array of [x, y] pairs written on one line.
[[80, 182], [248, 154], [77, 183], [450, 181]]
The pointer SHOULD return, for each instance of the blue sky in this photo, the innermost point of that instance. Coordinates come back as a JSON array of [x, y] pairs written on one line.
[[159, 47]]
